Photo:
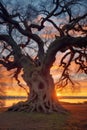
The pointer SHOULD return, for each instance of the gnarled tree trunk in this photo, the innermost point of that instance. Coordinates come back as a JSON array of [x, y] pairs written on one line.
[[42, 96]]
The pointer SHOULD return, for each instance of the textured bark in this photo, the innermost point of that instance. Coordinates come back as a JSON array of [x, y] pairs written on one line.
[[42, 97]]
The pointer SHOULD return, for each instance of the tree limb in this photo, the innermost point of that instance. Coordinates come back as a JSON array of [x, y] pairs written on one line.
[[59, 44]]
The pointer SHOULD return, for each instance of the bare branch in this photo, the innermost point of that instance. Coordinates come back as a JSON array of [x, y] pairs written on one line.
[[58, 29], [13, 44], [59, 44]]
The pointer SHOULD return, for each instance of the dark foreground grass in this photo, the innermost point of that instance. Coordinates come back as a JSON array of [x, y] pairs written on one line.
[[31, 121], [75, 120]]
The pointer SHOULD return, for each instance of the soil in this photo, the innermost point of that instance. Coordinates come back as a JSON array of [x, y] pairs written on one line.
[[76, 119]]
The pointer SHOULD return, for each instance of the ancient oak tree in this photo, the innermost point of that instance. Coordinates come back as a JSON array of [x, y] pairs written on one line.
[[23, 40]]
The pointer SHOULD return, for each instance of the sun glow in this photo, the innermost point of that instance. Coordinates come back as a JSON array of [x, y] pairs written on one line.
[[11, 87], [58, 94]]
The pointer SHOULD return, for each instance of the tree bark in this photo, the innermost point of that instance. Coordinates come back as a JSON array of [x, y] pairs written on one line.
[[42, 96]]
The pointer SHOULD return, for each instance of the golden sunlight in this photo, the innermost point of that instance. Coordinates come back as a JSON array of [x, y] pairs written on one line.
[[58, 94], [11, 88]]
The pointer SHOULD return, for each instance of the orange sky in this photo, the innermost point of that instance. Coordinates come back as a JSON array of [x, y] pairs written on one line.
[[10, 86], [7, 82]]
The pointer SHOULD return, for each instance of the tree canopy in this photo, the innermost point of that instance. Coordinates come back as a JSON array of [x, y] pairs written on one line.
[[24, 29]]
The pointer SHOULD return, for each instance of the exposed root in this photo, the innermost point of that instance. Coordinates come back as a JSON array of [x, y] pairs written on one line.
[[37, 107]]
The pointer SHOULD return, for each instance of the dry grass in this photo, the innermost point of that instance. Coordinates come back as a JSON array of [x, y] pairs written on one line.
[[76, 120]]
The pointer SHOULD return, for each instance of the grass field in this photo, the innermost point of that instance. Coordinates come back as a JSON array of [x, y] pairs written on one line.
[[75, 120]]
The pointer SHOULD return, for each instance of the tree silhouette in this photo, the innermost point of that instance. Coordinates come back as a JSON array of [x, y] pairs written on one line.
[[24, 47]]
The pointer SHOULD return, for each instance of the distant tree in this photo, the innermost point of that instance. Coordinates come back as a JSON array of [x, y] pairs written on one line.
[[2, 93], [21, 38]]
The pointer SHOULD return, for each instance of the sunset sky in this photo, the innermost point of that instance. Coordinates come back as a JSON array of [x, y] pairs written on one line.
[[9, 86]]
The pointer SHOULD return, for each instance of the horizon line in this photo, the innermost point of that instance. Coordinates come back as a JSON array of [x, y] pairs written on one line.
[[60, 97]]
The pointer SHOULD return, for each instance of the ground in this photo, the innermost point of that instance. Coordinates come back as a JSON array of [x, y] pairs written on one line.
[[75, 120]]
